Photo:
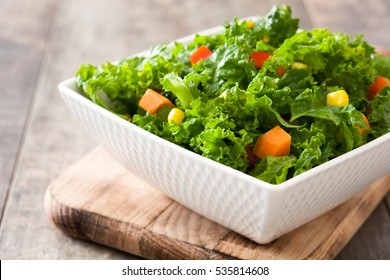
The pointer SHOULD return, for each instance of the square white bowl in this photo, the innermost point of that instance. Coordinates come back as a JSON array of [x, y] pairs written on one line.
[[256, 209]]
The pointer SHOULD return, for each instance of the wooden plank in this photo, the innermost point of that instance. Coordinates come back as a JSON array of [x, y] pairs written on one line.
[[23, 37], [81, 31], [362, 244], [98, 200]]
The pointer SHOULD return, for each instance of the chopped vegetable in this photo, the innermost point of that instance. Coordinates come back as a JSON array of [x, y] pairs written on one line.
[[281, 71], [377, 86], [337, 98], [201, 53], [259, 58], [250, 24], [362, 130], [176, 115], [275, 142], [151, 101], [299, 65]]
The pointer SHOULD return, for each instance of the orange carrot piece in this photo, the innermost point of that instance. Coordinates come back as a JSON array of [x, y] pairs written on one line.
[[275, 142], [151, 101], [361, 129]]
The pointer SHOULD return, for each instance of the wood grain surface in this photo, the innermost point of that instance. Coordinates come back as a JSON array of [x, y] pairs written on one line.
[[98, 200], [43, 42], [22, 46]]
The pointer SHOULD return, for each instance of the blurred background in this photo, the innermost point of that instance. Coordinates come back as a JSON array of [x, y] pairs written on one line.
[[43, 42]]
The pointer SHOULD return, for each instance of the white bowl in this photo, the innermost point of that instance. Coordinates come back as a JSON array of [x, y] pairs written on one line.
[[256, 209]]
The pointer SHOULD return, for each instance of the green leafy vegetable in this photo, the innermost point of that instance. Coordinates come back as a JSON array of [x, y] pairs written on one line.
[[175, 84], [274, 169], [380, 116], [382, 65]]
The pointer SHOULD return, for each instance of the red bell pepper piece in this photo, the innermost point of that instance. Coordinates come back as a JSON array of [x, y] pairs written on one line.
[[377, 86], [259, 58], [201, 53]]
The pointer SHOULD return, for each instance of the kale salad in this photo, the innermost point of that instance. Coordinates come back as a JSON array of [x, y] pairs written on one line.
[[263, 97]]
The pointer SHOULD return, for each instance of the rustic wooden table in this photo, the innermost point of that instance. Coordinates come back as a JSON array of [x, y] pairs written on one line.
[[43, 42]]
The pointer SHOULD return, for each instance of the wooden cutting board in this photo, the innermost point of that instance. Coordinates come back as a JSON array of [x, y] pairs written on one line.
[[98, 200]]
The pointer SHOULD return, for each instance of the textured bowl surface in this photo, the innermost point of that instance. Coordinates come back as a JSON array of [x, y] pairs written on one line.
[[256, 209]]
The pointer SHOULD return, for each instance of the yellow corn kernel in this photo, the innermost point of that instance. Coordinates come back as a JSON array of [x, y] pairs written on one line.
[[299, 65], [338, 98], [250, 24], [176, 115]]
